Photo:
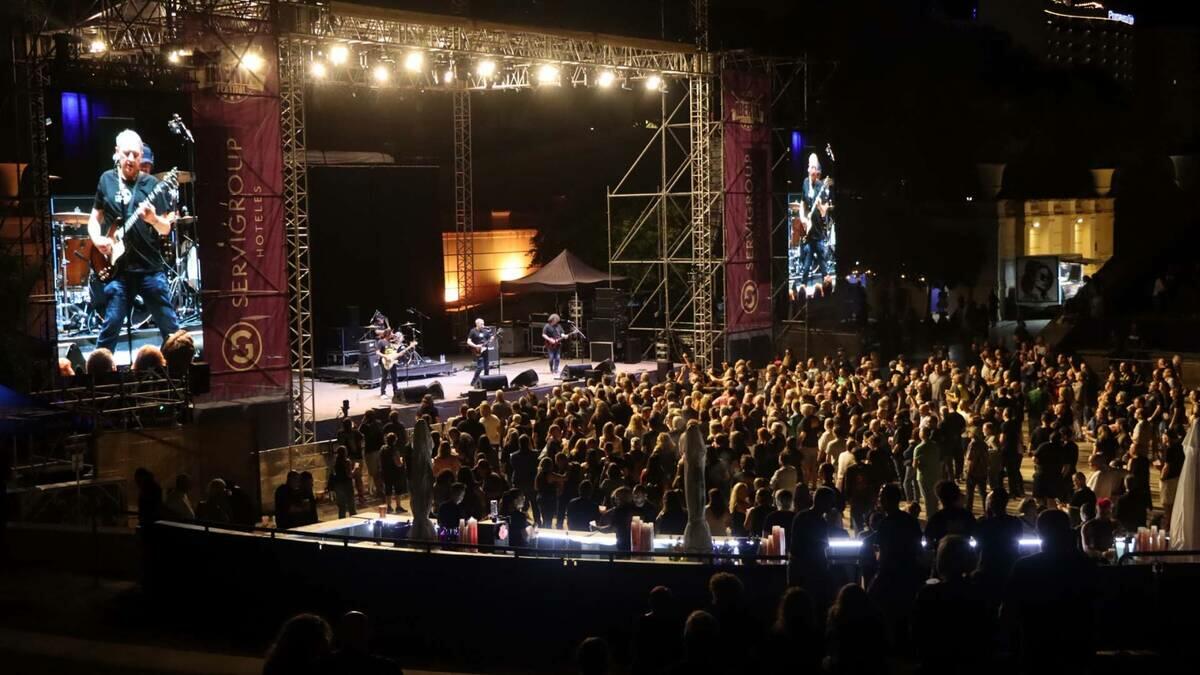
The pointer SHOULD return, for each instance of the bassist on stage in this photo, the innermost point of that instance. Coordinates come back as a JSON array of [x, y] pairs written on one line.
[[141, 270]]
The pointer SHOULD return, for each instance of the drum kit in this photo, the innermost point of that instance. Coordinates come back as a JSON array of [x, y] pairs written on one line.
[[79, 294]]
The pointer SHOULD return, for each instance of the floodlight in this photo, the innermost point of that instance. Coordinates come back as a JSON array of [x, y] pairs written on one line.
[[605, 78], [547, 74], [485, 68], [380, 73], [318, 69], [339, 54], [413, 61]]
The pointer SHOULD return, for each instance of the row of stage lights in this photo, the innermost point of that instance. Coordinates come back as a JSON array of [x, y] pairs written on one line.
[[414, 63], [486, 70]]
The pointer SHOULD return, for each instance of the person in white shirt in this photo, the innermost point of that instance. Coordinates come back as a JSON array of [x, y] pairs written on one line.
[[1107, 482], [491, 424]]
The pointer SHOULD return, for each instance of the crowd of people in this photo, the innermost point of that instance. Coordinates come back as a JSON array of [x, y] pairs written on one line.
[[172, 359], [891, 453]]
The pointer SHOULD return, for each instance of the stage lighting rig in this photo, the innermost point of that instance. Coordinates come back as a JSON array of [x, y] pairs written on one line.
[[605, 78], [654, 82], [252, 61], [318, 70], [380, 73]]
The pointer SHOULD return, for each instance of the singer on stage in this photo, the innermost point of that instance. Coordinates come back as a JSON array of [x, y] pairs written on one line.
[[142, 268]]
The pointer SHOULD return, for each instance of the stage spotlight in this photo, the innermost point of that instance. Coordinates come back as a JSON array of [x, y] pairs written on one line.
[[448, 76], [380, 73], [485, 68], [413, 61], [653, 83], [252, 61], [173, 56], [547, 74], [318, 70], [339, 54], [97, 46], [605, 78]]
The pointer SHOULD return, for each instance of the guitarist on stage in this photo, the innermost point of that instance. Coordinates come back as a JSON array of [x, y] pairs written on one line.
[[816, 255], [141, 270], [387, 344], [552, 334], [479, 339]]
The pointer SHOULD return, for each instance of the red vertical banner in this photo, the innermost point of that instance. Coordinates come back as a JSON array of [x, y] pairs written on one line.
[[745, 98], [239, 192]]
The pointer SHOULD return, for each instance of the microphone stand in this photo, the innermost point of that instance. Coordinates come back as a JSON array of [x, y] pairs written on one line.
[[575, 330]]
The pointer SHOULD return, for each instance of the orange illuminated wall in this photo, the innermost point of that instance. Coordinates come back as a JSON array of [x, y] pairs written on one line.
[[500, 255]]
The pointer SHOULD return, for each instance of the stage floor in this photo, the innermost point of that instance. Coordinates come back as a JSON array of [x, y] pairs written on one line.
[[329, 395]]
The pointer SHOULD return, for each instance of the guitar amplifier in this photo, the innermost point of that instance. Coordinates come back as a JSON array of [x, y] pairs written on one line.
[[601, 330], [368, 364], [600, 351], [536, 344]]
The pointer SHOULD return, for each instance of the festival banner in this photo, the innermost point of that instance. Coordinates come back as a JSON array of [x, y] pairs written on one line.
[[747, 164], [239, 192]]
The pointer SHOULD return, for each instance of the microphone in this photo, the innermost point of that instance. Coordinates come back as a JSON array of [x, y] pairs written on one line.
[[410, 311], [177, 127]]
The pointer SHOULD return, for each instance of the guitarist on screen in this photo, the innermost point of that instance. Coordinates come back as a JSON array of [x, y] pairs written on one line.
[[140, 269], [816, 254]]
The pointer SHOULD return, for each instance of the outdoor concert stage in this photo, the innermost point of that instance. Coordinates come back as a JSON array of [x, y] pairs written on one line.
[[330, 395]]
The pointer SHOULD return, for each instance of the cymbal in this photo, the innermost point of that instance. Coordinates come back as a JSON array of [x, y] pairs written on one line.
[[407, 325], [70, 217], [185, 220], [53, 177], [181, 176]]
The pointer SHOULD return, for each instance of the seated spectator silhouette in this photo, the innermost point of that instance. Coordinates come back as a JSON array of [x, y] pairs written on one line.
[[855, 635], [951, 626], [673, 518], [179, 504], [741, 633], [656, 634], [353, 655], [592, 656], [702, 646], [1051, 601], [300, 648], [150, 499], [215, 507], [794, 644]]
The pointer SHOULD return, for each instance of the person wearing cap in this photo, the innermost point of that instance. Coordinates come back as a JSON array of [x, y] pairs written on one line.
[[147, 164]]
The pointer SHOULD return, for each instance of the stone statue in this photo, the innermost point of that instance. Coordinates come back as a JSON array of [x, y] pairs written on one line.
[[696, 536], [420, 483]]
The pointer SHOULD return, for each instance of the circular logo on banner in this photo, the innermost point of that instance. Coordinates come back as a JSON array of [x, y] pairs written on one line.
[[242, 346], [749, 297]]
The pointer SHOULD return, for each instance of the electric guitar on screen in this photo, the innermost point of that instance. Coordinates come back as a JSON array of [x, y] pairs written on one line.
[[108, 266], [807, 218]]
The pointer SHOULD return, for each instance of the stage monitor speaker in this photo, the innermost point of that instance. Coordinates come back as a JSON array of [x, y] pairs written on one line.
[[606, 366], [593, 374], [600, 351], [199, 378], [493, 382], [475, 397], [574, 371], [527, 378], [415, 393], [601, 330]]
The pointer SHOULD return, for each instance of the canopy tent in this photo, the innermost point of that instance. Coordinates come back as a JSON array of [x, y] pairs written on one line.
[[565, 273]]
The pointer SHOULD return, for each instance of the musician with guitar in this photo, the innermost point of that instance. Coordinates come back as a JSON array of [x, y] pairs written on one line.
[[552, 335], [479, 339], [131, 214], [816, 252]]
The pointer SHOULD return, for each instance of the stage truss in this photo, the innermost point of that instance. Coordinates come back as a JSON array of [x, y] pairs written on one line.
[[146, 34]]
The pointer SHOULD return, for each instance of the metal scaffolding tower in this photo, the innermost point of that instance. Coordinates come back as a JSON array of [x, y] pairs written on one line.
[[464, 212], [292, 67]]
